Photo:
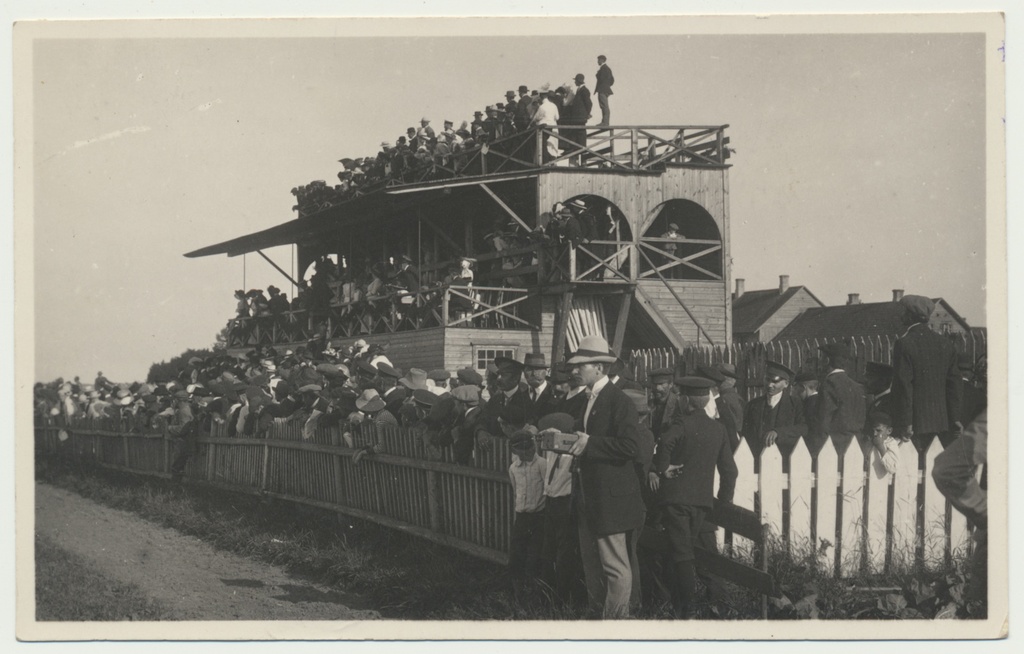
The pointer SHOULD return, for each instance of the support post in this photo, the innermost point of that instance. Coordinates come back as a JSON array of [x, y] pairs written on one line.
[[277, 267], [339, 476], [620, 322], [433, 502], [124, 440], [563, 324]]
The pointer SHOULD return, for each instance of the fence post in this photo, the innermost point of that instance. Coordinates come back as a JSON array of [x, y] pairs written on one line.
[[124, 440], [209, 462], [433, 503], [167, 447], [339, 495]]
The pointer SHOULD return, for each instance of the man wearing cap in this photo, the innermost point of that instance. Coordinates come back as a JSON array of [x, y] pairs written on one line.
[[776, 415], [926, 382], [666, 403], [686, 460], [372, 411], [540, 392], [730, 403], [619, 377], [841, 408], [467, 376], [437, 381], [611, 505], [605, 80], [509, 391]]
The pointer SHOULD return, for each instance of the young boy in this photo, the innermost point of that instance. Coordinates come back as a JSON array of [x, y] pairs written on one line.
[[881, 438], [527, 473]]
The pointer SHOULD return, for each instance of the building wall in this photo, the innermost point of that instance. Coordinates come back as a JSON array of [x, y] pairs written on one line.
[[702, 298], [459, 342], [943, 323], [800, 301]]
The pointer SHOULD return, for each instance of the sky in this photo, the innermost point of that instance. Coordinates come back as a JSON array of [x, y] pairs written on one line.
[[859, 162]]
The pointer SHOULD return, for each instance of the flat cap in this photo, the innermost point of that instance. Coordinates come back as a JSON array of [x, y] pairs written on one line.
[[661, 375], [776, 369], [918, 306], [469, 376], [695, 386]]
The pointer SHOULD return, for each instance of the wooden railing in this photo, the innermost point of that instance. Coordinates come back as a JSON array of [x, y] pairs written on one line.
[[444, 306], [616, 147]]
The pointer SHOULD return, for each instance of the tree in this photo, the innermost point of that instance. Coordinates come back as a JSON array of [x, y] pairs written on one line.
[[166, 371]]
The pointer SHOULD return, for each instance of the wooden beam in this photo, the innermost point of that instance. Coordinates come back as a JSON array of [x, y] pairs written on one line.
[[620, 322], [678, 299], [558, 349], [715, 563], [659, 318], [277, 267], [507, 208], [444, 237]]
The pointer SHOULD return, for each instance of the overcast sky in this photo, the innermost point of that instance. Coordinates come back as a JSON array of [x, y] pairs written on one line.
[[859, 163]]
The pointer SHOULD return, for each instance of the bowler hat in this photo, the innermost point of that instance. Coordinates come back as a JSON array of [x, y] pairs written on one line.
[[710, 372], [695, 386], [508, 365], [535, 360]]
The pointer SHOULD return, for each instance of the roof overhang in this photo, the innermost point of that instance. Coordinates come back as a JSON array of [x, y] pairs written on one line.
[[311, 229]]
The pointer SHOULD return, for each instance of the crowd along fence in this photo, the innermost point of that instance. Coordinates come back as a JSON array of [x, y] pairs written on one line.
[[838, 507]]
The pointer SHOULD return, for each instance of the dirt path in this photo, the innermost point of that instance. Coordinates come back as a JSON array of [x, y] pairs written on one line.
[[187, 576]]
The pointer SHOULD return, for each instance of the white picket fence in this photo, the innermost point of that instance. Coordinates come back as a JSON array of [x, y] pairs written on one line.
[[873, 522]]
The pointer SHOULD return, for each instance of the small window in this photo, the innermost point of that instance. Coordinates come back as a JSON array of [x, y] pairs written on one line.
[[485, 354]]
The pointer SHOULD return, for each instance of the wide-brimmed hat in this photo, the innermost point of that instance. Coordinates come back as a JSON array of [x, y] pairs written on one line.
[[508, 365], [388, 371], [370, 401], [366, 367], [424, 398], [311, 388], [414, 379], [710, 372], [592, 349]]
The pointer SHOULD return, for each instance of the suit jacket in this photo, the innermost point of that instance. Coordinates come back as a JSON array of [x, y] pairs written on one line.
[[609, 490], [605, 79], [701, 446], [926, 382], [666, 415], [543, 405], [394, 400], [492, 410], [815, 437], [787, 419], [579, 109], [841, 408]]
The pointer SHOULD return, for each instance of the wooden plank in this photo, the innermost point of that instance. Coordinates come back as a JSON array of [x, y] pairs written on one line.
[[736, 519], [801, 484], [851, 509], [879, 483], [935, 510], [620, 322], [770, 484], [826, 487]]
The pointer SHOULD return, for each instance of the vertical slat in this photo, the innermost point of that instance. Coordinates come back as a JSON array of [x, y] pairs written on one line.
[[935, 511], [826, 486]]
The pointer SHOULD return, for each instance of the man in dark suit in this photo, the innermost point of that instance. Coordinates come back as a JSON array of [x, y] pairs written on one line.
[[578, 113], [540, 391], [730, 405], [605, 80], [510, 392], [776, 416], [621, 378], [610, 503], [806, 389], [686, 460], [841, 408], [878, 389], [926, 382]]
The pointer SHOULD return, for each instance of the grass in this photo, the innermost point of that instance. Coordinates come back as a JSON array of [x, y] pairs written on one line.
[[69, 589], [402, 576]]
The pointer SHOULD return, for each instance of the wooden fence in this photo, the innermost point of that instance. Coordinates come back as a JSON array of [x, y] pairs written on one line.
[[798, 355], [872, 521]]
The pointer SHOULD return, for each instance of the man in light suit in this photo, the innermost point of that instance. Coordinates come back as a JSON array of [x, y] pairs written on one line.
[[609, 499], [926, 388]]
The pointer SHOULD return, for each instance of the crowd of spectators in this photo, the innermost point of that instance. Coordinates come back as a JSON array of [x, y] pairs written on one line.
[[426, 152]]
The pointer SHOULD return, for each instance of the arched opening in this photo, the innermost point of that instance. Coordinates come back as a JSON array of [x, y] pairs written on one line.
[[601, 235], [681, 242]]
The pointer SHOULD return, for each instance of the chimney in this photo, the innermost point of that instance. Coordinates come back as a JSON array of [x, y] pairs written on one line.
[[897, 294], [854, 298], [739, 288], [783, 284]]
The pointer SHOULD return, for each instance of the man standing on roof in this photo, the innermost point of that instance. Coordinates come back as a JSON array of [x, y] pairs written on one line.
[[605, 80], [610, 503], [926, 390]]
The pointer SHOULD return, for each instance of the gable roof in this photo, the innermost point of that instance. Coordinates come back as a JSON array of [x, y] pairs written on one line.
[[867, 319], [754, 308]]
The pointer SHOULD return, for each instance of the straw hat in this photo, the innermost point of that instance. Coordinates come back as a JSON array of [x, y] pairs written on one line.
[[592, 349]]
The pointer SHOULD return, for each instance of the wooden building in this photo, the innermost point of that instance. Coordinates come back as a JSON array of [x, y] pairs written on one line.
[[757, 316], [530, 292]]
